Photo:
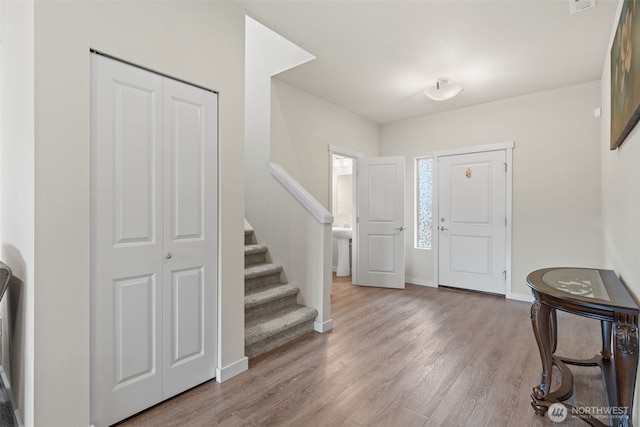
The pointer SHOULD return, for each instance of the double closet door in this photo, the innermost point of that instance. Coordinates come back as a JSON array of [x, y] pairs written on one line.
[[153, 240]]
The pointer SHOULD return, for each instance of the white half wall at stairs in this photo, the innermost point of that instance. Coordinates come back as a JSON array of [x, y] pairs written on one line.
[[297, 240]]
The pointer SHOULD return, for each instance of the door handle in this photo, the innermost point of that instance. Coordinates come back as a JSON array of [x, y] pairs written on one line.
[[168, 256], [399, 228], [443, 228]]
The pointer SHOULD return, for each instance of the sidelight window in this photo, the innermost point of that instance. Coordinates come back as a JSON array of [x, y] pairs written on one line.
[[423, 213]]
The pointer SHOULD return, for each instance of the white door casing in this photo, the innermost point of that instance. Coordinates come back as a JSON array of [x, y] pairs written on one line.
[[472, 221], [154, 193], [380, 225]]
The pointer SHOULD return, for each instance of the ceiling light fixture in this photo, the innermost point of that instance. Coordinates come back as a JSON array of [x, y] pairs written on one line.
[[443, 90]]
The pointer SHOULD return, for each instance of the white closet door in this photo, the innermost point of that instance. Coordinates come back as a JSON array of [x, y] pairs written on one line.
[[126, 309], [190, 189], [153, 248]]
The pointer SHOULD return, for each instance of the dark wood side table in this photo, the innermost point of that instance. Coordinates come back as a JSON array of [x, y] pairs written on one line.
[[597, 294]]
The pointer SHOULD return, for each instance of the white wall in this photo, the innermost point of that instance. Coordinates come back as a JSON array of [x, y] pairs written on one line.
[[302, 128], [17, 171], [200, 42], [556, 184], [620, 199]]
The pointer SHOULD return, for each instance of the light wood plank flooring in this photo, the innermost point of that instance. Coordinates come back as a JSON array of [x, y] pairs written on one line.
[[418, 357]]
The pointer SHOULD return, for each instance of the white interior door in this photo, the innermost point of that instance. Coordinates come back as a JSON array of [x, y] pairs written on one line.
[[153, 194], [381, 222], [472, 221]]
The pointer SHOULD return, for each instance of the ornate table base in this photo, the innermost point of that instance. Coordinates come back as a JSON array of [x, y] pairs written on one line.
[[619, 356]]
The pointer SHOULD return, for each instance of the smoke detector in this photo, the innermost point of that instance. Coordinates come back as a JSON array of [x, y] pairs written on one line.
[[576, 6]]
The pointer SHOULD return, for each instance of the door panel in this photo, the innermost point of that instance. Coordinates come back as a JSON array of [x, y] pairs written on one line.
[[381, 259], [187, 325], [135, 172], [471, 254], [472, 225], [381, 222], [471, 197], [187, 151], [135, 338]]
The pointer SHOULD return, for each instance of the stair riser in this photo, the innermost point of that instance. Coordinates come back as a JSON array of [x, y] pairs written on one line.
[[248, 238], [253, 259], [276, 341], [268, 308], [264, 280]]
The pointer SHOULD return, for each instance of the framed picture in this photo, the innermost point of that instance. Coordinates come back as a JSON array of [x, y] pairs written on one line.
[[625, 74]]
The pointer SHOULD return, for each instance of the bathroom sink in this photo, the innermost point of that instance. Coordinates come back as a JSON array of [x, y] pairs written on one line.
[[342, 236], [342, 233]]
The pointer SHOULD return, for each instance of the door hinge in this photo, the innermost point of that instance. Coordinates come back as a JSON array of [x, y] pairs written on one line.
[[504, 274], [505, 167], [357, 220], [505, 221]]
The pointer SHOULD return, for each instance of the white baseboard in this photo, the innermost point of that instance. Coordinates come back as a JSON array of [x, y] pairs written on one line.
[[230, 371], [420, 282], [520, 297], [513, 296], [323, 327]]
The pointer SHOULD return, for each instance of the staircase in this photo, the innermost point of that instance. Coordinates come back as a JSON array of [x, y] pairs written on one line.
[[272, 316]]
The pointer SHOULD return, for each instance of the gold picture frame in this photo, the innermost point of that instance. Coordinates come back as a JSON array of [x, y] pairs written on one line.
[[625, 74]]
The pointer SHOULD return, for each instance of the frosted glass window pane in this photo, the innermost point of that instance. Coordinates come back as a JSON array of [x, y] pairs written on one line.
[[424, 181]]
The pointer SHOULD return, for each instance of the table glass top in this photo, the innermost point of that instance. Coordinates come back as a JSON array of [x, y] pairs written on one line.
[[577, 281]]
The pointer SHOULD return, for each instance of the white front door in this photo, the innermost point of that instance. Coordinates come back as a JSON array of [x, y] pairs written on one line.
[[153, 245], [380, 259], [471, 221]]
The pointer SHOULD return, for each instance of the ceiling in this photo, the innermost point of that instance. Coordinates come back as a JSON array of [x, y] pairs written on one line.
[[375, 58]]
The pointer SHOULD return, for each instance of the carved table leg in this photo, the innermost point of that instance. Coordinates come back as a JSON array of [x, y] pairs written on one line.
[[625, 336], [606, 338], [541, 322], [553, 330]]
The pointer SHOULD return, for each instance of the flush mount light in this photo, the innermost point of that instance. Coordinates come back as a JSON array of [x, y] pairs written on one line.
[[443, 90]]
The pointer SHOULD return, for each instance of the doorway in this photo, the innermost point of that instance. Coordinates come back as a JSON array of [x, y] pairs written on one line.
[[473, 218], [343, 203]]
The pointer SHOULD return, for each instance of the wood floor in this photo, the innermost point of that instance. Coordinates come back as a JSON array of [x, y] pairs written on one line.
[[414, 357]]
